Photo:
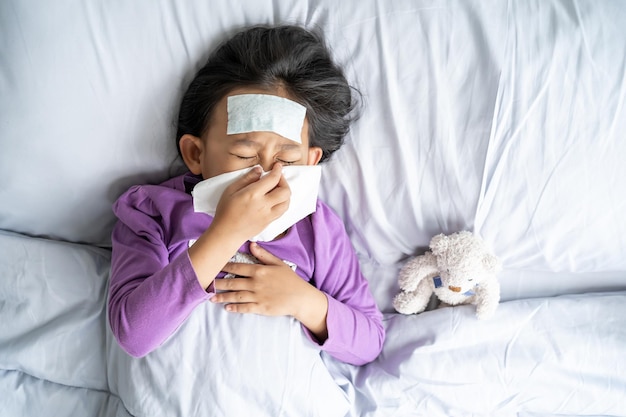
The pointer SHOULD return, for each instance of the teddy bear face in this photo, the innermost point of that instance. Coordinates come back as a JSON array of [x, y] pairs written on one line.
[[463, 261], [460, 279]]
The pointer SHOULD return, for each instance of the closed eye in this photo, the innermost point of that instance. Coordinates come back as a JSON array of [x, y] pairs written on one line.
[[286, 162], [245, 158]]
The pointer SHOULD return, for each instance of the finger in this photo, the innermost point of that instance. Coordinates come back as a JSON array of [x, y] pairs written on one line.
[[233, 284], [241, 269], [243, 308], [248, 178], [233, 297], [269, 181], [280, 197], [283, 181], [281, 191], [282, 185], [280, 208], [263, 255]]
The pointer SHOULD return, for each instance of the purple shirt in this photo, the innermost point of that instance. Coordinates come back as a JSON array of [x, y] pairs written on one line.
[[154, 287]]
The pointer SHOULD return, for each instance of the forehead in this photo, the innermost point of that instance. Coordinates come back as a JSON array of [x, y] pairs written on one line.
[[265, 113], [252, 109]]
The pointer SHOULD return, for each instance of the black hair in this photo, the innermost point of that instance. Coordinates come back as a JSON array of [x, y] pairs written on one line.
[[290, 57]]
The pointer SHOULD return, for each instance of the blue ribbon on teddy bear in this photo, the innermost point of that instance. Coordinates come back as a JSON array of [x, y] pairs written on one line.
[[439, 284]]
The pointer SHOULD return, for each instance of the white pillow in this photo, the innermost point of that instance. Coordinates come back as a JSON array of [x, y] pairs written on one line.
[[228, 364], [52, 310]]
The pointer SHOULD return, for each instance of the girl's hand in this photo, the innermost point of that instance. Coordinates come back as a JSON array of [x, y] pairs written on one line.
[[246, 208], [251, 203], [273, 289]]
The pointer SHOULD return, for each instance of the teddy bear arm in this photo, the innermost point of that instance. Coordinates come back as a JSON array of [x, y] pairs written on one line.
[[412, 302], [415, 270]]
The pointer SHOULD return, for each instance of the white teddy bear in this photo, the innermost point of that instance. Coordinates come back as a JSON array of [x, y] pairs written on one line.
[[459, 269]]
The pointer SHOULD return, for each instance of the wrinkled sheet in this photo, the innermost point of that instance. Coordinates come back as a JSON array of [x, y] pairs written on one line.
[[54, 355], [552, 356], [223, 364], [53, 329], [504, 117]]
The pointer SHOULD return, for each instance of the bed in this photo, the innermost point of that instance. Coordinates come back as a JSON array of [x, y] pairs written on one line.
[[505, 118]]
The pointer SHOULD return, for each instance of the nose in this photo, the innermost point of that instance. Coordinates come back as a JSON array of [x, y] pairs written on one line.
[[267, 166], [454, 289], [267, 162]]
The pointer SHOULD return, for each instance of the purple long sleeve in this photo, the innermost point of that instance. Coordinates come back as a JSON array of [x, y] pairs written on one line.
[[355, 331], [154, 288]]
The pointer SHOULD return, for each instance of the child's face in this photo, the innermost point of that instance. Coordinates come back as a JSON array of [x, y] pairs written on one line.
[[219, 153]]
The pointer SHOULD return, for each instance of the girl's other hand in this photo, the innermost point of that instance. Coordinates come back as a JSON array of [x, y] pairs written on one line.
[[273, 289]]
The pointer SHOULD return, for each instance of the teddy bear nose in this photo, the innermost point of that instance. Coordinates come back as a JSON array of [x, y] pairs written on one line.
[[455, 289]]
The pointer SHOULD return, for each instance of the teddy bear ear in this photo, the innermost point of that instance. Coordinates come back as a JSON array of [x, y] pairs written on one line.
[[491, 264], [438, 244]]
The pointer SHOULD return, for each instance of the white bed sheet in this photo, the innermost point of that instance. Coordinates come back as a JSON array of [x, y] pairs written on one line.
[[501, 117], [504, 117], [223, 364], [551, 356], [439, 363]]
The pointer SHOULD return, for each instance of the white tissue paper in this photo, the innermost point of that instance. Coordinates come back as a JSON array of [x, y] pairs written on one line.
[[303, 181]]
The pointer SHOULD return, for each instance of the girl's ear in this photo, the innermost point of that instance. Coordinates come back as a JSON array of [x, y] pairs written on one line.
[[191, 148], [315, 154]]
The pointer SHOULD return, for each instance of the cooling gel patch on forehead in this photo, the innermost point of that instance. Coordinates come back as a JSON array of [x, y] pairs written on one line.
[[265, 113]]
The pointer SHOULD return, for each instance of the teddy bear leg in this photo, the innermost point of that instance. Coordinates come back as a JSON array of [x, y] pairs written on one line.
[[411, 302], [407, 303], [487, 299], [485, 308]]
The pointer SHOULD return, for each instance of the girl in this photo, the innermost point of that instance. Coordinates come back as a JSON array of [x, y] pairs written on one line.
[[166, 256]]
